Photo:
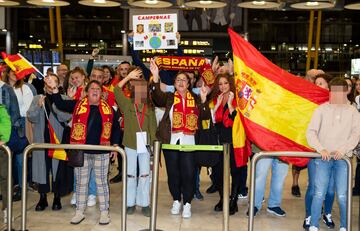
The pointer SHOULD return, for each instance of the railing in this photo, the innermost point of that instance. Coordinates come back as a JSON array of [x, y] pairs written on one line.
[[262, 155], [188, 148], [77, 147], [9, 186]]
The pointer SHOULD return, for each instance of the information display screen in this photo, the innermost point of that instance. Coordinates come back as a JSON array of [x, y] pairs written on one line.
[[355, 66]]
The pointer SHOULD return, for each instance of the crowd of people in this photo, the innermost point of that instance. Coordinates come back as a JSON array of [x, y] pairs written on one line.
[[135, 105]]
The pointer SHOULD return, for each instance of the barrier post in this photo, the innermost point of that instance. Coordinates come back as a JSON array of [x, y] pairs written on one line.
[[261, 155], [226, 186], [76, 147], [154, 187], [9, 186]]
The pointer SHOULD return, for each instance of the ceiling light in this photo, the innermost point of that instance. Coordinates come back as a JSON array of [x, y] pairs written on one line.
[[151, 3], [259, 4], [313, 5], [99, 3], [352, 6], [48, 2], [8, 3], [206, 4]]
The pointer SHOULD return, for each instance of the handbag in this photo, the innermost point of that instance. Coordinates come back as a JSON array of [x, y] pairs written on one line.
[[75, 158], [207, 136]]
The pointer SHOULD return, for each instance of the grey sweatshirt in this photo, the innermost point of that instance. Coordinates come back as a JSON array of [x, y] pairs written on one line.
[[334, 127]]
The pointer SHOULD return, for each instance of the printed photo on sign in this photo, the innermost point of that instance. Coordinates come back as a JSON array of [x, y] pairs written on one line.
[[155, 27], [156, 31], [169, 27], [139, 43], [140, 28]]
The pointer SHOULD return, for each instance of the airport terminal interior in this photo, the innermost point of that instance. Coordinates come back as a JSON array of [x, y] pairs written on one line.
[[296, 35]]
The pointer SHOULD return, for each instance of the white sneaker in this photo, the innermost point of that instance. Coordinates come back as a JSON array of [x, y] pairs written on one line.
[[73, 199], [78, 218], [91, 200], [5, 216], [186, 211], [342, 229], [176, 207], [313, 228], [104, 218]]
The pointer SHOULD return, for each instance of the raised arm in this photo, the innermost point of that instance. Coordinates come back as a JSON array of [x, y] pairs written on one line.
[[137, 61]]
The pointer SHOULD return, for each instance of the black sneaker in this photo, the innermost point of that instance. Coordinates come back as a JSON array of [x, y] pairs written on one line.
[[276, 211], [17, 196], [243, 195], [255, 212], [306, 224], [211, 189], [116, 179], [356, 192], [198, 196], [328, 221], [295, 191]]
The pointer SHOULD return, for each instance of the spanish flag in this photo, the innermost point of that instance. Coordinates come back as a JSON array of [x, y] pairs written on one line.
[[59, 154], [275, 106], [18, 64]]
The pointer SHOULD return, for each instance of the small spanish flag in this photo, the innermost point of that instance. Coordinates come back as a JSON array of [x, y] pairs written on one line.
[[19, 65], [59, 154], [275, 106]]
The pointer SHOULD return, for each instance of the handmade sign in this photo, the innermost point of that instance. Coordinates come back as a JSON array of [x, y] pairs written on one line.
[[157, 31]]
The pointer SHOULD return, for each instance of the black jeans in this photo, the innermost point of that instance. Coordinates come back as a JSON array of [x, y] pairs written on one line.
[[238, 175], [357, 175], [180, 168]]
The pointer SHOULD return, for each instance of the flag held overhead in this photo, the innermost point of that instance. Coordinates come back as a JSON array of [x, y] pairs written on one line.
[[19, 65]]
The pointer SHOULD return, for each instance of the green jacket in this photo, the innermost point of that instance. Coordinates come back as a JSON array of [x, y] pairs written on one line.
[[131, 125], [5, 124]]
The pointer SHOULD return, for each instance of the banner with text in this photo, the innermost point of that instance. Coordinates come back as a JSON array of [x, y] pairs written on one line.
[[182, 63]]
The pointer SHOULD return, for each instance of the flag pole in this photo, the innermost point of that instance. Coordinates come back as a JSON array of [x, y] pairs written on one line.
[[37, 70]]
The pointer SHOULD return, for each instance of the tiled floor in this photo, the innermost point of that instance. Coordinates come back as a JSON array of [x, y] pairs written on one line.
[[203, 218]]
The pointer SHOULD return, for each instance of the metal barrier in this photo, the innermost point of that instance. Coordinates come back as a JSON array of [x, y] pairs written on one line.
[[262, 155], [188, 148], [9, 186], [77, 147]]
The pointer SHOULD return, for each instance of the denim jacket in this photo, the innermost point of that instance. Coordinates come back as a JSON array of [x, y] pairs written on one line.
[[9, 100]]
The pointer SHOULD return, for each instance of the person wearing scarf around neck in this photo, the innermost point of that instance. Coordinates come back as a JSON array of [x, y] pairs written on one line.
[[183, 111]]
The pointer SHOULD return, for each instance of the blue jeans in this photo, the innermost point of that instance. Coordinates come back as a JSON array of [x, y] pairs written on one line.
[[197, 179], [279, 171], [324, 169], [330, 194], [92, 184], [19, 166], [138, 190]]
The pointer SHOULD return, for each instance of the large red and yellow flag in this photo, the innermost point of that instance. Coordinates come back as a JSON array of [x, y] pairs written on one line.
[[59, 154], [19, 65], [275, 106]]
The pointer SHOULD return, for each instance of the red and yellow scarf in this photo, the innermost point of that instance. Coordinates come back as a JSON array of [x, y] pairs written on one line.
[[185, 117], [80, 119]]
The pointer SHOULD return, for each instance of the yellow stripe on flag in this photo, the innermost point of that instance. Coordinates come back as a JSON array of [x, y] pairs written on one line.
[[273, 107], [238, 132]]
